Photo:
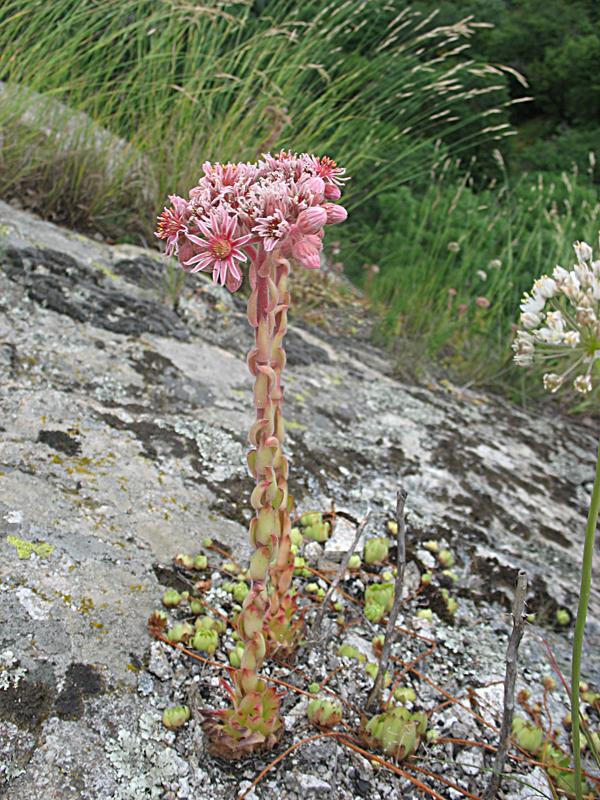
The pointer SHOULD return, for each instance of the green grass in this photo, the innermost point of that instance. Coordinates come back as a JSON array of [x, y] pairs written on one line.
[[389, 94], [181, 83], [440, 249]]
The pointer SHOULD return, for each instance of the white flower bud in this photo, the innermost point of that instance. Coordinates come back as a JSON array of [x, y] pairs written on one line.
[[529, 320], [523, 359], [572, 338], [583, 251], [571, 287], [555, 320], [545, 287], [584, 275], [560, 274], [532, 304]]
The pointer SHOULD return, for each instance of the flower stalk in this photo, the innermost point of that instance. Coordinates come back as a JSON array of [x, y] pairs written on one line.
[[582, 609]]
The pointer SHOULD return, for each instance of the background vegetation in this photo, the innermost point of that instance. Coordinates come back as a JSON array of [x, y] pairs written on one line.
[[470, 145]]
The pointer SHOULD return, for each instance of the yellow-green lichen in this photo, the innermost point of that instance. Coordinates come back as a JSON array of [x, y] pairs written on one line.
[[25, 548]]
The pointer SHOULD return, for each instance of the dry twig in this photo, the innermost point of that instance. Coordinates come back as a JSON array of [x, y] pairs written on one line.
[[509, 685], [315, 630], [375, 695]]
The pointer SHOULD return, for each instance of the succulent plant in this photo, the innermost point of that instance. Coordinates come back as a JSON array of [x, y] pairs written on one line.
[[354, 562], [185, 561], [348, 651], [374, 612], [252, 724], [405, 694], [376, 550], [396, 732], [313, 688], [171, 598], [563, 617], [445, 558], [450, 575], [300, 568], [426, 578], [175, 717], [311, 518], [207, 232], [197, 606], [200, 562], [235, 656], [324, 713], [372, 668], [240, 591], [426, 614], [432, 545], [209, 623], [379, 599], [205, 640], [527, 735], [180, 632], [318, 532], [392, 527], [296, 537]]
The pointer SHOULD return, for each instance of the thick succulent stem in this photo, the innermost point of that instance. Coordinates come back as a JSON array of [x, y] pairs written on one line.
[[269, 529]]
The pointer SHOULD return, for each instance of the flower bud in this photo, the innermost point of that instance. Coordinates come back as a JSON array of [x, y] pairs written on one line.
[[335, 213], [311, 220], [332, 192]]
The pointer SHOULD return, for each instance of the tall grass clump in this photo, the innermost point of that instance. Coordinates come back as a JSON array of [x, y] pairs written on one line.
[[446, 266], [374, 84]]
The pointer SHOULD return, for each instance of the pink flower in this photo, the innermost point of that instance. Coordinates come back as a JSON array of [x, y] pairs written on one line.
[[172, 223], [332, 192], [329, 170], [272, 229], [311, 220], [335, 213], [219, 250], [482, 302]]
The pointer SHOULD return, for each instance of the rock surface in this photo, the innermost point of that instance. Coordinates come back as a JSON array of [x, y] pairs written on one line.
[[122, 441]]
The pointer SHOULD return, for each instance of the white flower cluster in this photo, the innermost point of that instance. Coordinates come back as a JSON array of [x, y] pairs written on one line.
[[559, 319]]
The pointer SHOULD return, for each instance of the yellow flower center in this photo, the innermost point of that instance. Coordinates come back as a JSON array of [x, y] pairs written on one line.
[[221, 248]]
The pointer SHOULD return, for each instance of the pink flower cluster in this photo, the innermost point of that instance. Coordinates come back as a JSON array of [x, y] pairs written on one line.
[[237, 211]]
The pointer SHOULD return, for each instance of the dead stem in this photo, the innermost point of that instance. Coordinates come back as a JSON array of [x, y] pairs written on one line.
[[316, 627], [510, 680], [374, 698]]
